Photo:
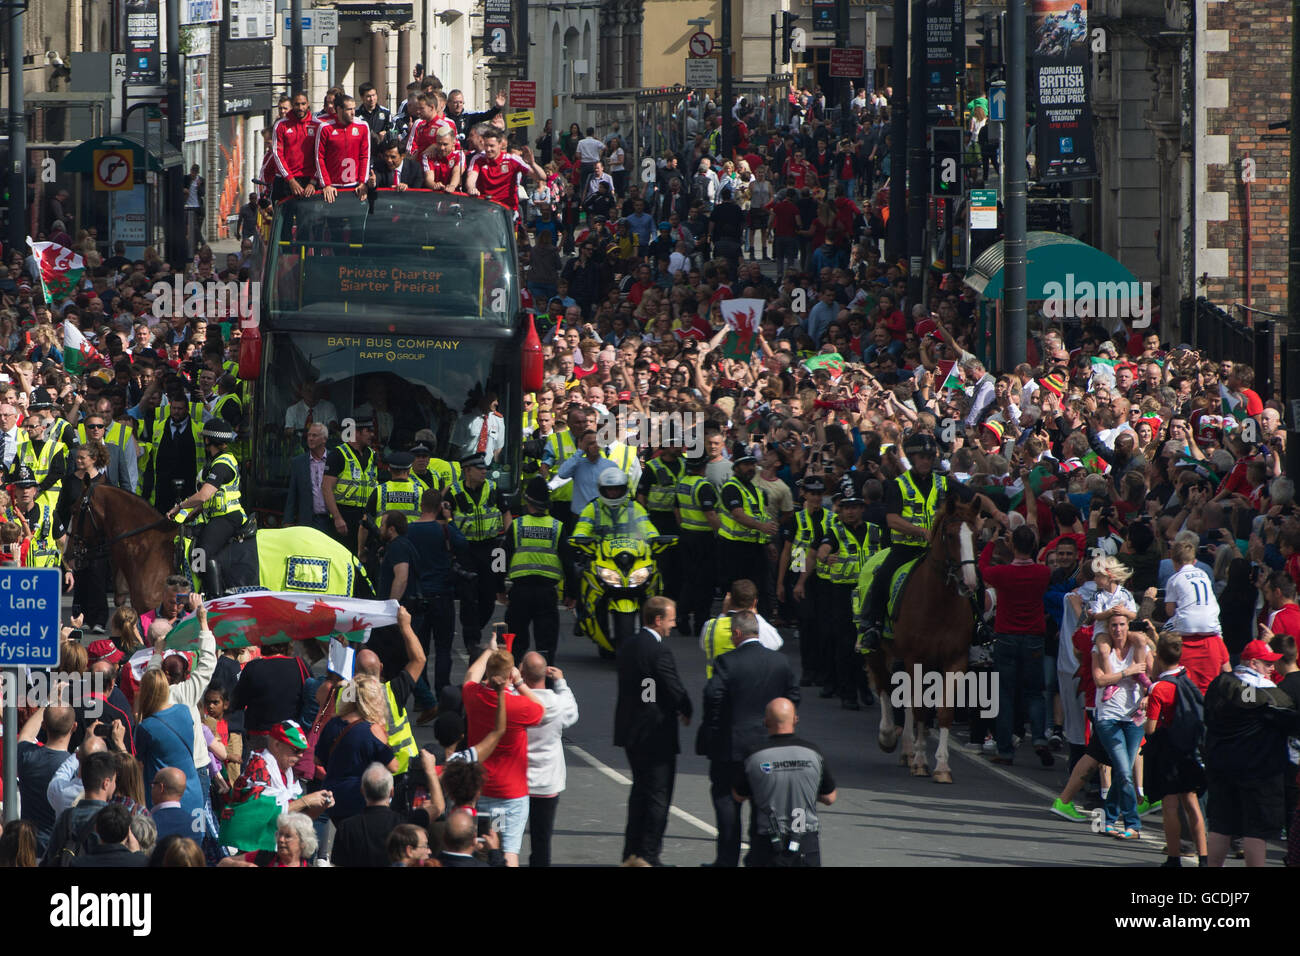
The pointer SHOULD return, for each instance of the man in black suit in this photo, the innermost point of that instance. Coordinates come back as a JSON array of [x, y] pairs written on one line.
[[651, 698], [178, 444], [362, 840], [304, 504], [735, 700], [393, 169], [458, 842]]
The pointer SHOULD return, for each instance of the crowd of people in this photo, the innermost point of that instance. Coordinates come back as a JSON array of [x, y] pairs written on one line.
[[1141, 547]]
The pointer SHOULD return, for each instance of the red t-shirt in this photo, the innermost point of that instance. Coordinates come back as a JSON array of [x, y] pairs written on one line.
[[1020, 590], [1160, 704], [443, 166], [1286, 621], [785, 219], [499, 180], [342, 154], [1204, 658], [507, 768], [1254, 405]]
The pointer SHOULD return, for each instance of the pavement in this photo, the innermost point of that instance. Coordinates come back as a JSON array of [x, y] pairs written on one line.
[[990, 816]]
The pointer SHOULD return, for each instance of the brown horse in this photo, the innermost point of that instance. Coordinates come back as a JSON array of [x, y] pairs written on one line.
[[141, 541], [933, 632]]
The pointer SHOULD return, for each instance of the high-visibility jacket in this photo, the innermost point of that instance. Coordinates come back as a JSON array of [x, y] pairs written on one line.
[[355, 483], [400, 738], [115, 434], [529, 466], [661, 494], [536, 548], [530, 419], [625, 457], [41, 462], [196, 432], [401, 496], [807, 533], [596, 520], [44, 549], [226, 500], [917, 508], [59, 431], [754, 501], [562, 447], [440, 474], [483, 521], [717, 640], [691, 514], [844, 564], [219, 406]]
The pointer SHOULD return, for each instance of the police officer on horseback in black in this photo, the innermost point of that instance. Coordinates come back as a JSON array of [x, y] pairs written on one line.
[[221, 514], [912, 501]]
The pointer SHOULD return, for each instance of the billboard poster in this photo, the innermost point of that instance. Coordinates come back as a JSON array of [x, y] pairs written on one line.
[[143, 60], [945, 51], [1058, 39], [498, 28]]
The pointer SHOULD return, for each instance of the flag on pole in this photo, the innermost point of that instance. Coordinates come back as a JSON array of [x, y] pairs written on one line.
[[743, 317], [77, 352], [61, 270]]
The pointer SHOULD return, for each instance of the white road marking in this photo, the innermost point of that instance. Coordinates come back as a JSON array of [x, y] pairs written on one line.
[[608, 771]]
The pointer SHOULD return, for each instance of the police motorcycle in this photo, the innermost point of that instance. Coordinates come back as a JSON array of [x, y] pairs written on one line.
[[619, 543]]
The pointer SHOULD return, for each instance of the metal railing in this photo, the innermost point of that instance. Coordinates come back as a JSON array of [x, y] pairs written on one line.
[[1218, 336]]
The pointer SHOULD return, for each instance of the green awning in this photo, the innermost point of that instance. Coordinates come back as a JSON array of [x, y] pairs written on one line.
[[81, 158], [1051, 257]]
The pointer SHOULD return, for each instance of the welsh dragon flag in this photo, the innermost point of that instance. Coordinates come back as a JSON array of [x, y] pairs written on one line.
[[78, 354], [947, 376], [261, 618], [743, 317], [833, 362], [61, 270]]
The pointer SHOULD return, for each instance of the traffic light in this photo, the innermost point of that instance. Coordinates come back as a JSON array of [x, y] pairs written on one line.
[[787, 34], [946, 156]]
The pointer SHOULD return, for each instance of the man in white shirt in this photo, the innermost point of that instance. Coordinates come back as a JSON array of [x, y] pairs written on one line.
[[588, 151], [1189, 594], [310, 410], [546, 769], [598, 176], [483, 430]]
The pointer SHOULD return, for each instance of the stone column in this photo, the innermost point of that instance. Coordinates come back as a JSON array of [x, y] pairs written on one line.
[[379, 59], [403, 60]]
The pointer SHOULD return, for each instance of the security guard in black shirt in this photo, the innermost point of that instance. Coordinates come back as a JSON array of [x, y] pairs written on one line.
[[746, 527], [848, 543], [697, 519], [536, 576]]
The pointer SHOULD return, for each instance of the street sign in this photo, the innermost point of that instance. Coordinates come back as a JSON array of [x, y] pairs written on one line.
[[522, 95], [517, 120], [29, 617], [702, 73], [114, 169], [998, 102], [319, 28], [983, 208], [700, 44], [850, 63]]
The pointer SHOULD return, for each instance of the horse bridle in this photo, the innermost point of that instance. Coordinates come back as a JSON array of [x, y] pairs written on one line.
[[82, 553], [953, 570]]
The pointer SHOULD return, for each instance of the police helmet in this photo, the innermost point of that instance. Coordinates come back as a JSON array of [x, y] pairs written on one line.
[[612, 484], [920, 443]]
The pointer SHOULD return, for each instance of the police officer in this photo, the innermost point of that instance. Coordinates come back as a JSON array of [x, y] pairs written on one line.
[[560, 447], [44, 453], [698, 520], [222, 515], [786, 778], [400, 493], [911, 502], [658, 493], [430, 472], [812, 585], [351, 474], [38, 510], [612, 511], [848, 543], [536, 577], [746, 527], [482, 515]]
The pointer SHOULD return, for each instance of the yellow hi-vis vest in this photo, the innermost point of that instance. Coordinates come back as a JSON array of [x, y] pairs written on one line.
[[400, 737], [717, 641], [59, 430], [562, 447], [44, 549], [226, 500], [355, 483], [661, 494], [114, 434], [807, 533], [754, 502], [624, 456], [536, 542], [196, 432], [484, 522], [442, 472], [691, 514], [40, 464], [402, 496], [918, 509], [843, 565]]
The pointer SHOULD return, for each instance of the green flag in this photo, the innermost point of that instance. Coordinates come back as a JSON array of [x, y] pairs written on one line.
[[251, 825]]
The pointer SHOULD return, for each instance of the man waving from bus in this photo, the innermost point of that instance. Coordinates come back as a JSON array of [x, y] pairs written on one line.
[[495, 174], [293, 147], [343, 151]]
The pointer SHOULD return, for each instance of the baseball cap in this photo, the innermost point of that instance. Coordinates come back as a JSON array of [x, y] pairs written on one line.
[[1259, 651], [104, 650]]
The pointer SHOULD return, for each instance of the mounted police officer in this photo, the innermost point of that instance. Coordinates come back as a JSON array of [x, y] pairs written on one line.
[[351, 474], [849, 541], [536, 576], [746, 528], [482, 515], [912, 501], [221, 514], [698, 519]]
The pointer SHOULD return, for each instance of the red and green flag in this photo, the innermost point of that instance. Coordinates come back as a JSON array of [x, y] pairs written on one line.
[[61, 270], [833, 362], [948, 376], [743, 318]]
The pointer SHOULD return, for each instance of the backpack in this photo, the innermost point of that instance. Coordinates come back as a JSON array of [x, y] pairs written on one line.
[[1185, 732], [78, 841], [700, 189]]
